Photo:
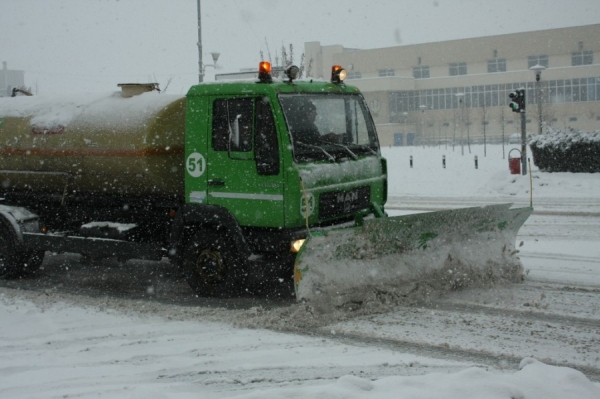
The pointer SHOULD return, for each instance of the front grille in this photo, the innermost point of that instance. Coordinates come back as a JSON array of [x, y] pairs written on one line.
[[339, 203]]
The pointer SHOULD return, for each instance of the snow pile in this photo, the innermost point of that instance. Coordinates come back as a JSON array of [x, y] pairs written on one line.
[[535, 380]]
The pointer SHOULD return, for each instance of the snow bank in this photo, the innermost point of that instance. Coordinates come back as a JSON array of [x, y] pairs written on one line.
[[534, 380]]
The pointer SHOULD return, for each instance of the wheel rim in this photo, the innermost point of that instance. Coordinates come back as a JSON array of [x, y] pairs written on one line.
[[210, 267]]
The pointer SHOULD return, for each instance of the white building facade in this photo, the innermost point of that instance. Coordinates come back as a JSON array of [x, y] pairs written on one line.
[[10, 79], [459, 90]]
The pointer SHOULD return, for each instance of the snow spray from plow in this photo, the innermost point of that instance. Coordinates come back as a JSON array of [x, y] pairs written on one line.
[[454, 248]]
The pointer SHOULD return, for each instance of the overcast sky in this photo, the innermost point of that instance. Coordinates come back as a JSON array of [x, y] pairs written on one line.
[[91, 45]]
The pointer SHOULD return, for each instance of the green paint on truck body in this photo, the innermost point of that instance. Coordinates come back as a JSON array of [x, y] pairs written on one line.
[[243, 151]]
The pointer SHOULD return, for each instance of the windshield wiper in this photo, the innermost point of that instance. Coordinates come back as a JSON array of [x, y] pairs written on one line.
[[368, 148], [353, 155], [331, 157]]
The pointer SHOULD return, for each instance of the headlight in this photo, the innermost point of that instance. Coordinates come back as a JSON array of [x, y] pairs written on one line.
[[296, 245]]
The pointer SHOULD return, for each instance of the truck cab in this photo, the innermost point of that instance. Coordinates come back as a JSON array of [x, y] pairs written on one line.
[[283, 158], [280, 159]]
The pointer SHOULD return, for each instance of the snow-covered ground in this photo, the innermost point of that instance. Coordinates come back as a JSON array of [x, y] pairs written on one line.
[[497, 342]]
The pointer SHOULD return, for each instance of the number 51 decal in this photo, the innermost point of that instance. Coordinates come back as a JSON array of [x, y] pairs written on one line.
[[195, 164]]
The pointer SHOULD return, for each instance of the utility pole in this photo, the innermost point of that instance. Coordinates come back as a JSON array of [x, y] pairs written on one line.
[[215, 55], [537, 69], [200, 65]]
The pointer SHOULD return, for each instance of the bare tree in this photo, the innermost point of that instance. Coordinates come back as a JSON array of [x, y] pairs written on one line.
[[309, 68], [467, 120], [287, 59], [454, 121], [548, 111], [268, 50], [167, 85], [484, 113], [502, 123]]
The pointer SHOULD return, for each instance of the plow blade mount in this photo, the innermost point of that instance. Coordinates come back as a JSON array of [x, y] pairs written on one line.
[[447, 249]]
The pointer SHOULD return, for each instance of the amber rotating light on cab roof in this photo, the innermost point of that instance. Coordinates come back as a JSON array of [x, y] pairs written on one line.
[[264, 72], [338, 74]]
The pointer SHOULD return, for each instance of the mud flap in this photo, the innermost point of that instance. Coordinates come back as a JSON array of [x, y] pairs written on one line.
[[455, 248]]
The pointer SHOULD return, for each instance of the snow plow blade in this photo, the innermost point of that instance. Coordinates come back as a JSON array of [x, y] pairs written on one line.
[[454, 248]]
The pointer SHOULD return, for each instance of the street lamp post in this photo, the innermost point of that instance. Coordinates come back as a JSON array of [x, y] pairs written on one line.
[[405, 114], [423, 108], [215, 56], [462, 128], [537, 69]]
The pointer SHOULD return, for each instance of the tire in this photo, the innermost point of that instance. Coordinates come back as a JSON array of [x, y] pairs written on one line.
[[11, 259], [210, 266], [32, 261]]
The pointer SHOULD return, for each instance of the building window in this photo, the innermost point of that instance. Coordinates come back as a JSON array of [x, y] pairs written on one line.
[[534, 60], [398, 139], [582, 58], [497, 65], [556, 92], [354, 75], [458, 68], [573, 119], [386, 72], [421, 72]]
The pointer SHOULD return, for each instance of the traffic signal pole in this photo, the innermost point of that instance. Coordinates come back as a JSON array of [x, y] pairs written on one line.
[[523, 143], [518, 105]]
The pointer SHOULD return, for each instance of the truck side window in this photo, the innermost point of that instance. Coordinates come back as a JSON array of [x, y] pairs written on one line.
[[266, 151], [232, 125]]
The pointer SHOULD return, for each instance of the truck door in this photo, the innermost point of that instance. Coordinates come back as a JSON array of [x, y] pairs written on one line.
[[243, 165]]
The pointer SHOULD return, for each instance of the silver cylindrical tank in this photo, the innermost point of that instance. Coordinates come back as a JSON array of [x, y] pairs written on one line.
[[94, 144]]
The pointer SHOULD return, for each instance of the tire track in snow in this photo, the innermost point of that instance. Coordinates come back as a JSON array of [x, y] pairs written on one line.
[[481, 357], [558, 324], [562, 257]]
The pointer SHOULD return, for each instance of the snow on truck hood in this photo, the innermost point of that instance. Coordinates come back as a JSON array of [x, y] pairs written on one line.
[[325, 174]]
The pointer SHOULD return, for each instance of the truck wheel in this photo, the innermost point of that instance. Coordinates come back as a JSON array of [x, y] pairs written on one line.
[[32, 261], [208, 265], [11, 260]]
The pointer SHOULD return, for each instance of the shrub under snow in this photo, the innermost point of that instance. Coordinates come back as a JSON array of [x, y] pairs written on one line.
[[572, 151]]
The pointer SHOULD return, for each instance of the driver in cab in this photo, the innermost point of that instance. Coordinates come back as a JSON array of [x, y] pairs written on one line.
[[303, 127]]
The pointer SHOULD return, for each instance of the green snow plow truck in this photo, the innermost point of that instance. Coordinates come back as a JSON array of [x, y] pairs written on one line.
[[242, 185]]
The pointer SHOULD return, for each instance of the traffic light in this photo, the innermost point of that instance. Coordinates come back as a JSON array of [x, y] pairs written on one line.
[[518, 100]]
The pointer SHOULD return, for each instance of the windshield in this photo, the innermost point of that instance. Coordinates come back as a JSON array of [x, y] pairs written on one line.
[[329, 126]]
